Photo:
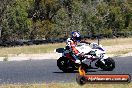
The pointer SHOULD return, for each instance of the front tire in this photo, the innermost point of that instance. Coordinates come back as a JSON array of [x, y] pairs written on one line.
[[65, 65], [109, 64]]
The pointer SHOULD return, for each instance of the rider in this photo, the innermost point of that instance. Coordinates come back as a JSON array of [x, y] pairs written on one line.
[[71, 44]]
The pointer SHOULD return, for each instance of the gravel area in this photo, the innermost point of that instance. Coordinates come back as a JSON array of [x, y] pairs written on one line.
[[21, 57]]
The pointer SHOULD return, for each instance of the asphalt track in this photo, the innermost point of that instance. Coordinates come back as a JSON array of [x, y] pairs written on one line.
[[40, 71]]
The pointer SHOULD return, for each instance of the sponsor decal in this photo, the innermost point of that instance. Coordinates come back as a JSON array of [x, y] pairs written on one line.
[[83, 78]]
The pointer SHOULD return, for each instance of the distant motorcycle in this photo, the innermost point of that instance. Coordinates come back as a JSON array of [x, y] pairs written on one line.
[[94, 57]]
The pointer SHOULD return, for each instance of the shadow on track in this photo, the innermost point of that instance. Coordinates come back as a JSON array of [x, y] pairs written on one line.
[[75, 71]]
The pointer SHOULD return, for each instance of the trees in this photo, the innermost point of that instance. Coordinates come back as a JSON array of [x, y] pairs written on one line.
[[42, 13], [13, 19], [32, 19], [4, 9]]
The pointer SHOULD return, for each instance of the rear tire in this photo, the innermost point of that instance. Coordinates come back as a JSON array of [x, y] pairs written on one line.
[[65, 65]]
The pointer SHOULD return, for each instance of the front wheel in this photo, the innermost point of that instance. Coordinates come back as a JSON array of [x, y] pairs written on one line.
[[65, 65], [108, 65]]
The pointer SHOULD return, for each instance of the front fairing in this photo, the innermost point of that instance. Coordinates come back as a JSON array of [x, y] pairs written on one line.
[[83, 48]]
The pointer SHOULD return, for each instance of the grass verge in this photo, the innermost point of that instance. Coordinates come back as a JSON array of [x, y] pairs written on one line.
[[34, 49], [120, 52], [68, 85], [116, 41], [38, 49]]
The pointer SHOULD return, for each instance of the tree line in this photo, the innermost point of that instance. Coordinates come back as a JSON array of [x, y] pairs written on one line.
[[45, 19]]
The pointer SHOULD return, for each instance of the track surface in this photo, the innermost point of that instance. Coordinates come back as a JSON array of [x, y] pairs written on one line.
[[39, 71]]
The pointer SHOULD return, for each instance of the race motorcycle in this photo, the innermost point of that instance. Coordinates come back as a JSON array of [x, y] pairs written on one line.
[[94, 57]]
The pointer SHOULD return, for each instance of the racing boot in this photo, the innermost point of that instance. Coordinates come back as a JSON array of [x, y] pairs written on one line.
[[78, 61]]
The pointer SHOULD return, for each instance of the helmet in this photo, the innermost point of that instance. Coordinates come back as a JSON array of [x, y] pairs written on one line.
[[76, 36]]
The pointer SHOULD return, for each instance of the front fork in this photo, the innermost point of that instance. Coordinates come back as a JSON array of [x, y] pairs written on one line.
[[103, 58]]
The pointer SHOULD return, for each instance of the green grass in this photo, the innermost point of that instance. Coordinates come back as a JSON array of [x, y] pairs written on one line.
[[34, 49], [67, 85]]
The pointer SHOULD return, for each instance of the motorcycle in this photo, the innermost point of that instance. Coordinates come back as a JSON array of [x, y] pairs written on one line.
[[94, 57]]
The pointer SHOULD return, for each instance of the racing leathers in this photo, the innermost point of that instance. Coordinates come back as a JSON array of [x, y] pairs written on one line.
[[71, 44]]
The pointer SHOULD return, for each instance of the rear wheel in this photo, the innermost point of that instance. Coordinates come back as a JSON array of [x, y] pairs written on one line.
[[65, 65]]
